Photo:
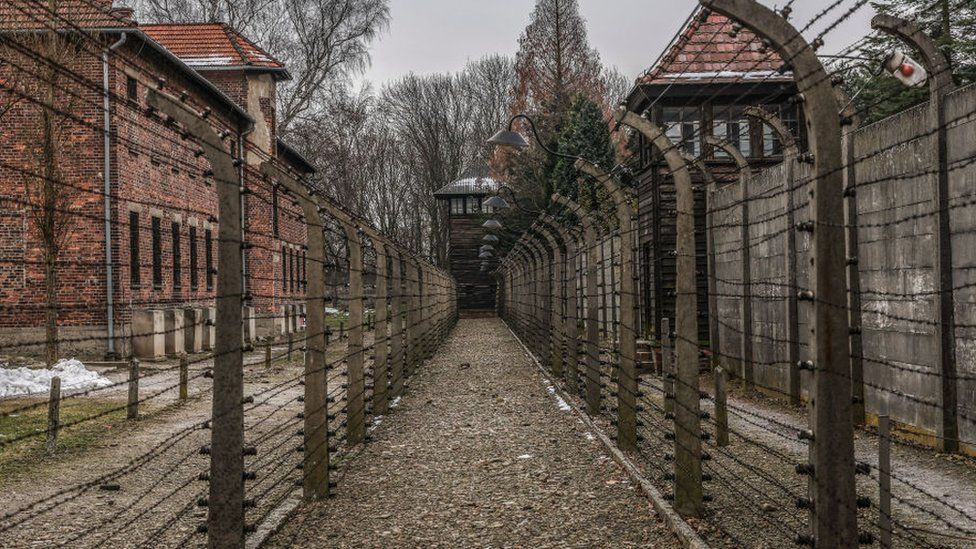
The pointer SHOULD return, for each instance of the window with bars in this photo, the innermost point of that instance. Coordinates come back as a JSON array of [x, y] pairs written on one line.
[[134, 268], [208, 257], [284, 268], [177, 258], [304, 277], [194, 277], [131, 89], [473, 205], [291, 270], [157, 253]]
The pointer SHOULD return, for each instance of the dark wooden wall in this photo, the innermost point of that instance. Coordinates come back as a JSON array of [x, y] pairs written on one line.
[[476, 290]]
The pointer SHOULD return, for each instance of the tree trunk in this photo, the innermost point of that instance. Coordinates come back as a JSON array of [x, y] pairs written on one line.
[[50, 194]]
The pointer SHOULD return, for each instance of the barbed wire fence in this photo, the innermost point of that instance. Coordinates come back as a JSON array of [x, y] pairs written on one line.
[[857, 240], [264, 358]]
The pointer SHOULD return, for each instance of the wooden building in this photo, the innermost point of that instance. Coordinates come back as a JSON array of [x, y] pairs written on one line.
[[699, 86], [464, 201]]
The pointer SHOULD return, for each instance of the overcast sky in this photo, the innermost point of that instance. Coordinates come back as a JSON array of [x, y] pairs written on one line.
[[441, 35]]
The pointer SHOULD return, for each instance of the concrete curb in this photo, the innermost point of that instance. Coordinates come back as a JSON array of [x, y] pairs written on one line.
[[688, 537]]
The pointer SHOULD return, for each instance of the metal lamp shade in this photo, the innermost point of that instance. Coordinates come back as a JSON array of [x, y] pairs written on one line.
[[485, 255], [496, 202], [489, 238], [492, 224], [508, 138]]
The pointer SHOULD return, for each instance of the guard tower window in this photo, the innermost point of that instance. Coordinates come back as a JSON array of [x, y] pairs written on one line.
[[457, 206], [681, 126], [731, 125], [474, 204]]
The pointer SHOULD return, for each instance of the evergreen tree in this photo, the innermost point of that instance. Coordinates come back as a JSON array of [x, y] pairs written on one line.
[[585, 134], [952, 23]]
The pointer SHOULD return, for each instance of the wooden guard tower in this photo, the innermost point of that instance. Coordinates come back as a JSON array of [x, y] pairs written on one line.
[[464, 201]]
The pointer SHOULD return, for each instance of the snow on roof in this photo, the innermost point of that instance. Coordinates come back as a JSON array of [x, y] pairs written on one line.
[[212, 46], [705, 50], [469, 186]]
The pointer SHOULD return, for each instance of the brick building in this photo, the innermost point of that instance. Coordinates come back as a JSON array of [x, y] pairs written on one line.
[[699, 86], [158, 216]]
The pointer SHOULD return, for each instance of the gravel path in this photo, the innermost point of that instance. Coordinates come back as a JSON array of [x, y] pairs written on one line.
[[479, 454]]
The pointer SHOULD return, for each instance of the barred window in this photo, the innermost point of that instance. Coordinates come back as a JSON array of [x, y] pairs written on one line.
[[157, 253], [194, 279], [291, 270], [131, 89], [134, 268], [284, 268], [177, 258], [208, 257]]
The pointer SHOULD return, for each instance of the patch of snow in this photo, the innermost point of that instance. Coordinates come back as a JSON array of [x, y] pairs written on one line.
[[26, 381], [395, 402], [559, 400], [332, 311], [589, 436], [525, 456], [562, 404]]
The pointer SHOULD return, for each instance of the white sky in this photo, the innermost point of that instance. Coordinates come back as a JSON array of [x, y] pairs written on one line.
[[441, 35]]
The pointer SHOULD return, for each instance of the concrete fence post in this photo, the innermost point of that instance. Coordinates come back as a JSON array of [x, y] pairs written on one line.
[[592, 345], [225, 522], [315, 484], [355, 401], [627, 383], [832, 496], [689, 496], [745, 289], [940, 84], [721, 409], [884, 480], [380, 331], [396, 331], [667, 366], [791, 155]]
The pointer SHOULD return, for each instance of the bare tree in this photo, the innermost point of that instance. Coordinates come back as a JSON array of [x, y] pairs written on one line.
[[43, 57]]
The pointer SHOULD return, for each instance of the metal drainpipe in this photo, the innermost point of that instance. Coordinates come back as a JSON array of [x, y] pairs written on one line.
[[107, 181], [241, 151]]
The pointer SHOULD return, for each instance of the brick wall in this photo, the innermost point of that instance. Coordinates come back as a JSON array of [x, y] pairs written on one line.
[[155, 174]]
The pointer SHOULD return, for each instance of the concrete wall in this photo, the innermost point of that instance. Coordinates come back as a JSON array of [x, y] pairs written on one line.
[[895, 173]]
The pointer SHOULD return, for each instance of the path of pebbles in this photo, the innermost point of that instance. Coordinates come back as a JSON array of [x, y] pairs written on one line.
[[479, 454]]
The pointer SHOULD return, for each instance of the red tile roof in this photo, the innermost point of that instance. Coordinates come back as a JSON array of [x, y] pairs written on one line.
[[705, 51], [33, 14], [211, 45]]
